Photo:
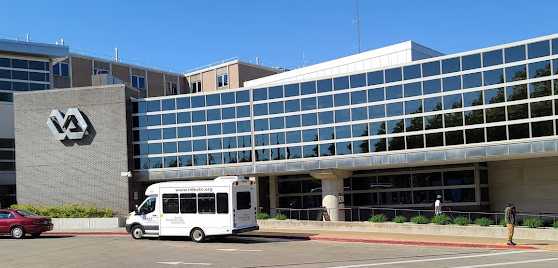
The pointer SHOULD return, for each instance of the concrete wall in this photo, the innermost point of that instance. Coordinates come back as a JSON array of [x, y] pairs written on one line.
[[531, 184], [88, 171]]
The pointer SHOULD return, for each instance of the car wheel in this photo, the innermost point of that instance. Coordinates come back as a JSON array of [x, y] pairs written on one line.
[[137, 232], [17, 232], [197, 235]]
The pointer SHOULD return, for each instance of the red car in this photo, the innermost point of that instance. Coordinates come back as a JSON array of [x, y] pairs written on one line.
[[17, 223]]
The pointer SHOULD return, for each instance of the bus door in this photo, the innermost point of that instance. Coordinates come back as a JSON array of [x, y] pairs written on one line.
[[149, 215], [245, 210]]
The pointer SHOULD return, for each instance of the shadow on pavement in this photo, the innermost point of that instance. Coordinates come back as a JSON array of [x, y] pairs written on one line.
[[241, 239], [37, 238]]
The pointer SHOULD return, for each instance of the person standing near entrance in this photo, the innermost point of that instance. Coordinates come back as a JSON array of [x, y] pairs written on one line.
[[511, 221], [438, 205]]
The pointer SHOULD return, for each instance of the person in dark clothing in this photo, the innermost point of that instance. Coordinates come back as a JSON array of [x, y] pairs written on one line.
[[510, 215]]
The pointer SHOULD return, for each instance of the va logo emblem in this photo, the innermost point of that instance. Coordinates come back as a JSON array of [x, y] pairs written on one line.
[[70, 126]]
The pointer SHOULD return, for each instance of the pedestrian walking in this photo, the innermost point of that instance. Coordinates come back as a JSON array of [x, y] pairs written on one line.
[[511, 221], [438, 205]]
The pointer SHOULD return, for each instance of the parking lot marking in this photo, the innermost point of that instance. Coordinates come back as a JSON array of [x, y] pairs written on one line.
[[184, 263], [242, 250], [508, 263], [434, 259]]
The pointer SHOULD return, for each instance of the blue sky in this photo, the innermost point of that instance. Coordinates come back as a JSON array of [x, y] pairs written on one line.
[[180, 35]]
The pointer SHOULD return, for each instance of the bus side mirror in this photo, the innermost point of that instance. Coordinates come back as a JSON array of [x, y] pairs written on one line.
[[136, 210]]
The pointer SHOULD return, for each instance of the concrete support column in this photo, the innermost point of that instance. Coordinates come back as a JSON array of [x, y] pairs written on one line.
[[272, 195], [255, 180], [332, 191]]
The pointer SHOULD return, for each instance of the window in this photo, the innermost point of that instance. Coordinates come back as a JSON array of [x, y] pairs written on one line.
[[206, 203], [148, 206], [376, 94], [434, 139], [454, 137], [472, 98], [450, 65], [497, 133], [325, 85], [394, 109], [310, 151], [378, 145], [433, 104], [358, 97], [275, 92], [172, 88], [493, 77], [222, 80], [358, 80], [415, 141], [492, 58], [472, 80], [396, 143], [540, 89], [196, 86], [259, 94], [359, 114], [543, 128], [474, 117], [453, 119], [61, 69], [360, 147], [413, 124], [433, 121], [393, 75], [138, 81], [188, 203], [538, 49], [395, 126], [452, 101], [412, 89], [513, 54], [343, 148], [308, 87], [470, 62], [243, 200], [518, 131], [325, 101], [377, 128], [411, 72], [516, 73], [394, 92], [430, 68], [518, 92], [496, 114], [327, 149], [341, 82], [377, 111], [451, 83], [375, 78], [539, 69], [541, 108], [341, 99], [222, 203], [475, 135], [413, 107], [170, 203], [5, 215]]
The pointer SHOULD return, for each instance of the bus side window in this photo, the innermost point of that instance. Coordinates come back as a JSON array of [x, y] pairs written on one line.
[[243, 200], [222, 203], [188, 203], [206, 203], [170, 203]]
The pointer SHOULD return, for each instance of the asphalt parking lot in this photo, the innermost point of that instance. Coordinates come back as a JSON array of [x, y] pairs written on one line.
[[121, 251]]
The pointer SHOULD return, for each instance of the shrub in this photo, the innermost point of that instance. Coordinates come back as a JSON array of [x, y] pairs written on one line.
[[555, 224], [280, 217], [420, 220], [399, 219], [441, 219], [67, 211], [262, 216], [532, 222], [461, 221], [484, 221], [378, 218]]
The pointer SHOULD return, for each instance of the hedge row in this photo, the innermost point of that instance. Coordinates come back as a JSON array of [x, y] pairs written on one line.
[[67, 211], [531, 222]]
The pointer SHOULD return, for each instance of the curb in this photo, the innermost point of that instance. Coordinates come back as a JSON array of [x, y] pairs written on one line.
[[328, 238]]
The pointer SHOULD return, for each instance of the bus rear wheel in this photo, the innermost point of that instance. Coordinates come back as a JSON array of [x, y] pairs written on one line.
[[197, 235]]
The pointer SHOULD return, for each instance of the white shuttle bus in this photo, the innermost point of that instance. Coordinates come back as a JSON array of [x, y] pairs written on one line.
[[198, 209]]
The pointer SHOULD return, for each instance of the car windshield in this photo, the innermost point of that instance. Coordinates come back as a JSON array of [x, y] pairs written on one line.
[[25, 213]]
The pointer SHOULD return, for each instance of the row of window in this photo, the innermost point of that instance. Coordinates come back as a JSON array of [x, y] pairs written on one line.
[[7, 155], [538, 109], [196, 145], [22, 86], [189, 117], [448, 138], [6, 97], [464, 63], [192, 203], [192, 102], [193, 131], [24, 75], [24, 64], [193, 160]]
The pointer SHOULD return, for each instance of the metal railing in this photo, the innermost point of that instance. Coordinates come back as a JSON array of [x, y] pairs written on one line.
[[365, 213]]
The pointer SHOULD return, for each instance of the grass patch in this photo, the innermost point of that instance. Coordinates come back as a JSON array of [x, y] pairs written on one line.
[[378, 218], [461, 221], [262, 216], [441, 219], [420, 220], [484, 221], [280, 217], [532, 222], [399, 219], [555, 224]]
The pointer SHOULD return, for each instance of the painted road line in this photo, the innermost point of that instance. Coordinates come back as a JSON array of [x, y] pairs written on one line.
[[508, 263], [241, 250], [184, 263], [436, 259]]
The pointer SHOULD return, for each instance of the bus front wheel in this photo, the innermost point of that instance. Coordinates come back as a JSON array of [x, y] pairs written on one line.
[[197, 235], [137, 232]]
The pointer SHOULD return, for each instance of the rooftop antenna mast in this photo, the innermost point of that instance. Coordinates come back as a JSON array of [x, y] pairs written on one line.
[[357, 22]]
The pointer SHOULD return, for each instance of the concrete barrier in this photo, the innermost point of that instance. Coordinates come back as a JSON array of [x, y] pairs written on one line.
[[411, 228], [63, 224]]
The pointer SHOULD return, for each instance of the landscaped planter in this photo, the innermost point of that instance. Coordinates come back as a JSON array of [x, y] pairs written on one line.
[[411, 228], [63, 224]]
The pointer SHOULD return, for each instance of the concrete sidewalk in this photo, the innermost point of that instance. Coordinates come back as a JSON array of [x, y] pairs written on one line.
[[360, 237]]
